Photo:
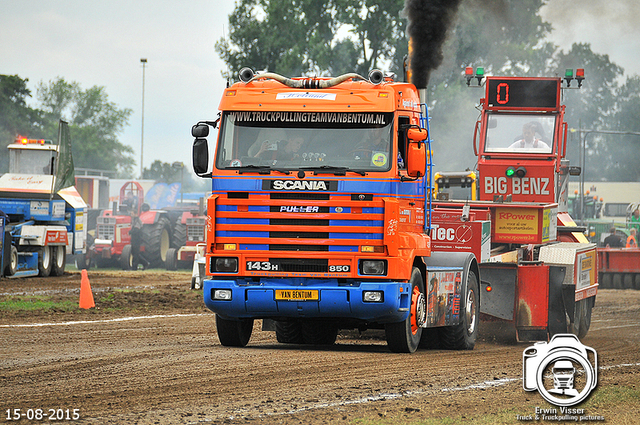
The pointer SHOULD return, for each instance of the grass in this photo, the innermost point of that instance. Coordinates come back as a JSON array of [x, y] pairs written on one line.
[[37, 303]]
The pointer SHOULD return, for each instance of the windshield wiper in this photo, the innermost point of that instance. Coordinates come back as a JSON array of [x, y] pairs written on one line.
[[261, 169], [330, 169]]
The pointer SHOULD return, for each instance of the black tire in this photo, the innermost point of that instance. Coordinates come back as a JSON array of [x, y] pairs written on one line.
[[171, 263], [179, 237], [404, 337], [126, 258], [463, 335], [83, 262], [12, 266], [617, 281], [103, 263], [196, 284], [583, 316], [319, 332], [430, 338], [627, 281], [637, 281], [234, 333], [45, 261], [605, 282], [59, 260], [156, 239], [289, 332]]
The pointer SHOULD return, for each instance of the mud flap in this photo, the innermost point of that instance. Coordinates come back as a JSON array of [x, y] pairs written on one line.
[[498, 290], [559, 296]]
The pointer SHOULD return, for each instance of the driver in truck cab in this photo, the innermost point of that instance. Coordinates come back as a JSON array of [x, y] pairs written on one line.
[[529, 140]]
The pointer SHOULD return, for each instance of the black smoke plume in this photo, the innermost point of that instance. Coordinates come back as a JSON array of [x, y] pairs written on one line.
[[428, 22]]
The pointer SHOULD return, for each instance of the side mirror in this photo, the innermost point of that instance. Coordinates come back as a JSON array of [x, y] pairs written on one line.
[[200, 130], [415, 134], [416, 159], [200, 155]]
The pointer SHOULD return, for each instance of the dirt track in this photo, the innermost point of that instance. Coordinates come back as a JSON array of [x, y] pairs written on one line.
[[161, 363]]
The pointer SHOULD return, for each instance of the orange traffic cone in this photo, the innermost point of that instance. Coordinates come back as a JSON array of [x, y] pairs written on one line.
[[86, 296]]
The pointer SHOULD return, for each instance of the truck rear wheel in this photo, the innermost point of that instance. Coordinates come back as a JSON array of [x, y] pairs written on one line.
[[319, 332], [463, 335], [234, 333], [156, 239], [59, 260], [404, 337], [45, 261], [289, 332]]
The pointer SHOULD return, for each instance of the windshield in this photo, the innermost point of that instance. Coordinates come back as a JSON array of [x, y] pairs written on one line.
[[295, 140], [31, 161], [520, 133]]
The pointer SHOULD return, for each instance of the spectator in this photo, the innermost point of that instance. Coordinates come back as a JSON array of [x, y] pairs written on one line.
[[136, 242], [635, 219], [632, 242], [613, 240]]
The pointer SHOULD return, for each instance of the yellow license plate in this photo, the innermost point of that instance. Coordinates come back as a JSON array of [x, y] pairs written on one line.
[[297, 294]]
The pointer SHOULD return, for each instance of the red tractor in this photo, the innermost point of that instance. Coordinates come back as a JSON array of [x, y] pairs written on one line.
[[113, 242], [188, 231]]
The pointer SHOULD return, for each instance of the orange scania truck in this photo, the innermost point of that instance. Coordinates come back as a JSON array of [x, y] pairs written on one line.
[[538, 270], [320, 216]]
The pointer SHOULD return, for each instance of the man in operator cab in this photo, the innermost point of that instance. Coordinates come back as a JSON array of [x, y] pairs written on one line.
[[529, 140]]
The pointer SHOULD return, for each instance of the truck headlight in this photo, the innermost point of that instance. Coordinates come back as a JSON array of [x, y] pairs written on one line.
[[221, 294], [224, 264], [372, 296], [373, 267]]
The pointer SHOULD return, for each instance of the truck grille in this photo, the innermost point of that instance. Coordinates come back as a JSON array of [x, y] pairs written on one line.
[[195, 233], [106, 231], [299, 222]]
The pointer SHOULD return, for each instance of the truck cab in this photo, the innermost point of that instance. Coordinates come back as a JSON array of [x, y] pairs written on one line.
[[46, 218], [319, 214]]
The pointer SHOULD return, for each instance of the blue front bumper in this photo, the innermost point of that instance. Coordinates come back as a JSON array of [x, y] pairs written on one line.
[[335, 300]]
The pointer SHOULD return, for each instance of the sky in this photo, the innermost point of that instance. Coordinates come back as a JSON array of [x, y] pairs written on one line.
[[100, 43]]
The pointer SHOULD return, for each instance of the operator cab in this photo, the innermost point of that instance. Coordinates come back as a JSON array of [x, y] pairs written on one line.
[[32, 156]]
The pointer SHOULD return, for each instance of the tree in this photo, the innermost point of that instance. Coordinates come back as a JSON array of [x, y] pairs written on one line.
[[16, 118], [94, 124], [163, 172], [506, 37], [299, 37]]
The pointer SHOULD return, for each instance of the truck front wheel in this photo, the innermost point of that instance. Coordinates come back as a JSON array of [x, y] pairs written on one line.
[[463, 335], [404, 337], [234, 333]]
